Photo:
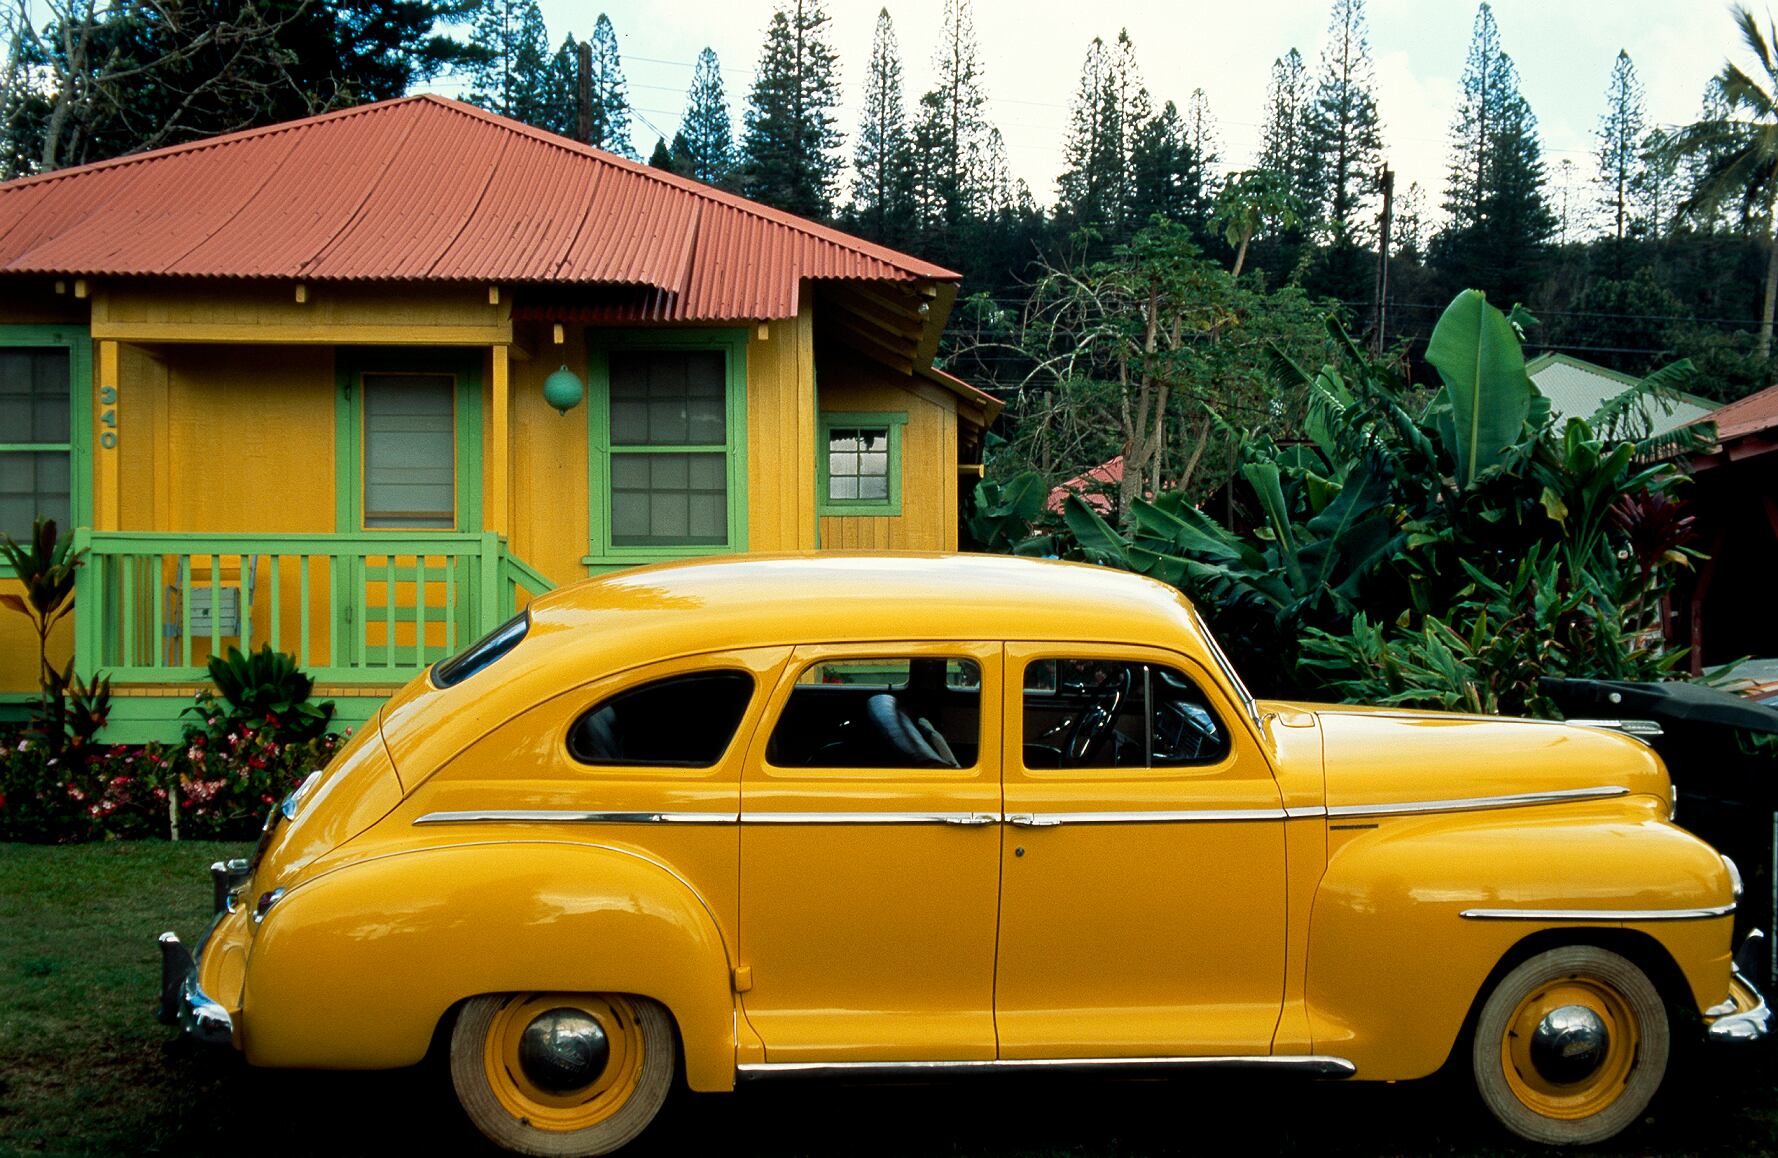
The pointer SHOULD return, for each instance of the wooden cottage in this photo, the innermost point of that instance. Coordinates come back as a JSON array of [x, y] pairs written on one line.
[[360, 385]]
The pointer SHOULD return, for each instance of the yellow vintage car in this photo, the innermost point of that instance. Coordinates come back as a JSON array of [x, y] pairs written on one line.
[[923, 816]]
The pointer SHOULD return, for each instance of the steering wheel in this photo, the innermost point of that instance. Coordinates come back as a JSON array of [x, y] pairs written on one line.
[[1093, 727]]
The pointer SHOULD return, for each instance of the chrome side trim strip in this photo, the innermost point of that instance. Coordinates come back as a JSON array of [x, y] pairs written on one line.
[[1476, 803], [566, 816], [1156, 816], [1325, 1066], [965, 819], [1597, 914]]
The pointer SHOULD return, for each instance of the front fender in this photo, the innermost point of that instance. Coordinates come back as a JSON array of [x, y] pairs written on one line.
[[1393, 966], [353, 968]]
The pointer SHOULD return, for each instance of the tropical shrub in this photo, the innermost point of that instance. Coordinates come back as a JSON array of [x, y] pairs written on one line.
[[266, 686], [1441, 547], [232, 769]]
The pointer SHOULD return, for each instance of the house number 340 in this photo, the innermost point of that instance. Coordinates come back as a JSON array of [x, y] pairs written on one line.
[[108, 416]]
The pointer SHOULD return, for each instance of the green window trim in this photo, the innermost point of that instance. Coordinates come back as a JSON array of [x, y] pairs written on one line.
[[77, 340], [602, 553], [350, 364], [831, 420]]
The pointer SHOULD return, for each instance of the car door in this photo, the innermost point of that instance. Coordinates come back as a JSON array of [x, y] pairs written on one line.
[[870, 855], [1142, 893]]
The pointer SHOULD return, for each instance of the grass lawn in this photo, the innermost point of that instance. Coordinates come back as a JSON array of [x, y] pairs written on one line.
[[84, 1069]]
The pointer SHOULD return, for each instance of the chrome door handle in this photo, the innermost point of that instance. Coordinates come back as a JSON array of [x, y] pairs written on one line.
[[973, 820], [1031, 820]]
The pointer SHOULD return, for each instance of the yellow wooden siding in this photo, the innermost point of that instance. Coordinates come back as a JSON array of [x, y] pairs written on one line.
[[781, 436], [928, 519], [332, 314], [549, 462]]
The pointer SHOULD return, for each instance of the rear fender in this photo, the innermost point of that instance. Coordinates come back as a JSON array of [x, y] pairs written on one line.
[[354, 968]]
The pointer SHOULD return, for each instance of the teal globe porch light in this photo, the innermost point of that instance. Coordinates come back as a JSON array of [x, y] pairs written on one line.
[[562, 389]]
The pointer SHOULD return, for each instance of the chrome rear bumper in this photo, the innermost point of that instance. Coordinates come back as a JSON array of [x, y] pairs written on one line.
[[184, 1003], [1745, 1016]]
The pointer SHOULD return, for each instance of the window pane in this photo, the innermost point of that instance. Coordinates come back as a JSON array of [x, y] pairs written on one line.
[[669, 500], [1186, 731], [33, 485], [890, 712], [668, 397], [858, 463], [682, 721], [1096, 714], [35, 394], [410, 451], [1093, 715]]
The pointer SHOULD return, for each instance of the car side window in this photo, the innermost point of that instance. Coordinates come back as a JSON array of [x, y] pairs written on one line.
[[1093, 713], [682, 721], [889, 712]]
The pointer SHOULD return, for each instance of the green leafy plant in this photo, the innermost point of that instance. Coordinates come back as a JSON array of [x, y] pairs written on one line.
[[1444, 552], [1008, 516], [45, 568], [268, 686], [73, 711]]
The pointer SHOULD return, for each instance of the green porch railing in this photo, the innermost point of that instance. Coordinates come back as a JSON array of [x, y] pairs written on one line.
[[152, 607]]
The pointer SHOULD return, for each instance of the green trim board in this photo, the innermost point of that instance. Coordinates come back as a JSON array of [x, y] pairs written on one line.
[[828, 421], [77, 340], [602, 553], [159, 718]]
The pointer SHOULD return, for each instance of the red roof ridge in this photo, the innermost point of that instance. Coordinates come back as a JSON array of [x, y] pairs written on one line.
[[688, 185], [906, 261], [1760, 409], [203, 143]]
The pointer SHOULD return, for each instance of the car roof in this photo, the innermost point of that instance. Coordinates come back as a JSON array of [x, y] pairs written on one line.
[[758, 600]]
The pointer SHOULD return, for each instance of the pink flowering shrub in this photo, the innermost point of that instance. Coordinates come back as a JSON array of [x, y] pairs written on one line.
[[220, 782], [232, 769], [86, 793]]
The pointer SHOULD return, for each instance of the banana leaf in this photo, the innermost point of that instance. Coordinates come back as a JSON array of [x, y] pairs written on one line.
[[1477, 355]]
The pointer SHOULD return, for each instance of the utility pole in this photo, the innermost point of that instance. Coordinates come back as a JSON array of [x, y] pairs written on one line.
[[1385, 219], [583, 96]]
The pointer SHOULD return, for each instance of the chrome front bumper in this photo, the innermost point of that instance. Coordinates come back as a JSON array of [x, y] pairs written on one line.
[[184, 1003], [1745, 1016]]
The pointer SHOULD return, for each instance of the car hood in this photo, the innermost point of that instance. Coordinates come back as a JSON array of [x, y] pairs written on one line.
[[1377, 757]]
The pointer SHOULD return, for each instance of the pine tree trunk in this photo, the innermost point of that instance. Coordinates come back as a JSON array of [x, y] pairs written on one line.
[[1765, 321]]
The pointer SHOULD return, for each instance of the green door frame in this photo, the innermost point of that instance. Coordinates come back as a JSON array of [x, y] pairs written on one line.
[[351, 363]]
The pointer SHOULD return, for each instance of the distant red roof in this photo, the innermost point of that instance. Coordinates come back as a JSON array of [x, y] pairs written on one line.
[[429, 189], [1090, 487], [1745, 416]]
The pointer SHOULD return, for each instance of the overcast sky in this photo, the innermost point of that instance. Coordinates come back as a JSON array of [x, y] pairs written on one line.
[[1032, 50]]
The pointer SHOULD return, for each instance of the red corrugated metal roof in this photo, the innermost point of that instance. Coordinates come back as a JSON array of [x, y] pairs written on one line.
[[425, 188], [1745, 416]]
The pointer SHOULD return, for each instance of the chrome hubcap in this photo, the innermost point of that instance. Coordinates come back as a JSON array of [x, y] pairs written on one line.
[[563, 1050], [1569, 1044]]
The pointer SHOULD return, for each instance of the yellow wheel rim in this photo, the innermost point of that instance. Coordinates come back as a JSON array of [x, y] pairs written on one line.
[[1589, 1092], [576, 1109]]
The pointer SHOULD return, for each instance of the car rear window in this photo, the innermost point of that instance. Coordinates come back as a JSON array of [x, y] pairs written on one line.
[[682, 721], [481, 653]]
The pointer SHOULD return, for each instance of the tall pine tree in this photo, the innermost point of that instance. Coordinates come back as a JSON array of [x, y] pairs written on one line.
[[790, 155], [1286, 147], [510, 76], [882, 160], [1343, 127], [1090, 189], [709, 152], [561, 90], [611, 106], [1163, 169], [1620, 136], [1499, 222], [954, 179]]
